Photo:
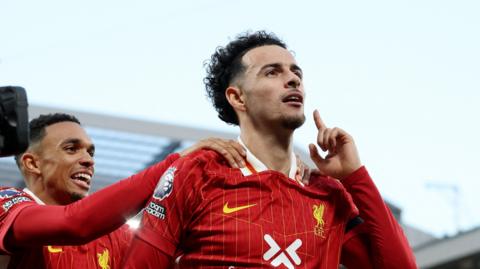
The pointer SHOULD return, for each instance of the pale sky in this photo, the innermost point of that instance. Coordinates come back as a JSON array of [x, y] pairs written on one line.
[[403, 77]]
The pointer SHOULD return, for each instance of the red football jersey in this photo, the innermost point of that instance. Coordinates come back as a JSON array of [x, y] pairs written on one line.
[[105, 252], [12, 201], [205, 214]]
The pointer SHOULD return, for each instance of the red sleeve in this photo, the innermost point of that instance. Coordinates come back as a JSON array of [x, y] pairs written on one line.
[[379, 242], [12, 202], [167, 214], [89, 218], [354, 253]]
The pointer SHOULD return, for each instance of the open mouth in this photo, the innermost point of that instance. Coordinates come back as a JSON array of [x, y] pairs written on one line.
[[82, 179], [293, 99]]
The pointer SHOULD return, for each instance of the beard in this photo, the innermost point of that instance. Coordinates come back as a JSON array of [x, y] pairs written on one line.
[[74, 196], [293, 122]]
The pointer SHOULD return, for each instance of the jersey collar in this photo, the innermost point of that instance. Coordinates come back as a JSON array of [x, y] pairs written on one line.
[[254, 165], [29, 192]]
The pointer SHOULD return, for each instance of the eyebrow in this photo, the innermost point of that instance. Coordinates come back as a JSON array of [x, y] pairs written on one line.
[[277, 65], [296, 68], [274, 65], [77, 141]]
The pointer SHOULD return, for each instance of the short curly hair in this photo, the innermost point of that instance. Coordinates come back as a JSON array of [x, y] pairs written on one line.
[[226, 64], [38, 125]]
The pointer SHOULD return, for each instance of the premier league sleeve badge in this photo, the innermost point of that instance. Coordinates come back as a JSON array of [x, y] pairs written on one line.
[[165, 185]]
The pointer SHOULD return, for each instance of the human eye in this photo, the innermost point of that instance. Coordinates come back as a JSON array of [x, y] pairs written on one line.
[[271, 72], [70, 148]]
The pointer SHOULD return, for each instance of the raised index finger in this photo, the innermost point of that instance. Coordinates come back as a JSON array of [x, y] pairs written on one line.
[[318, 120]]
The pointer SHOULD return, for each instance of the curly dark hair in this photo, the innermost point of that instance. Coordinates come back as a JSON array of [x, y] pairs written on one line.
[[226, 64], [37, 127]]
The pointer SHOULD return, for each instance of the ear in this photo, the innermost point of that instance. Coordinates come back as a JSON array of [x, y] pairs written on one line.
[[30, 163], [236, 98]]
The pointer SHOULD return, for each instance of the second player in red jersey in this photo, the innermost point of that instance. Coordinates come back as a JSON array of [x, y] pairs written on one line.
[[206, 214]]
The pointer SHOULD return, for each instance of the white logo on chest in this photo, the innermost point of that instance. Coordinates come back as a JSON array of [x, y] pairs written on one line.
[[283, 257]]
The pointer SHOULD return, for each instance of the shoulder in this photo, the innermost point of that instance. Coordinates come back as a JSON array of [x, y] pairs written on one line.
[[326, 183], [199, 160], [12, 201], [188, 172], [9, 197], [337, 192], [8, 192], [203, 155], [181, 173]]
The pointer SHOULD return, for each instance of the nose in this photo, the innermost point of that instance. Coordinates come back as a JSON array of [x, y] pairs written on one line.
[[293, 81], [87, 160]]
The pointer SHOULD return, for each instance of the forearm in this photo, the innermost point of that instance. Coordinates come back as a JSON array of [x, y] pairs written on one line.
[[89, 218], [385, 241]]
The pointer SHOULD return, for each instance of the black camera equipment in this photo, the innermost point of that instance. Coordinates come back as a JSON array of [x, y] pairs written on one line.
[[13, 120]]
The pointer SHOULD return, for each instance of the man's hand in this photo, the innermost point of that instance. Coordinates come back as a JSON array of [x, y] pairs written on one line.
[[230, 149], [342, 158], [303, 171]]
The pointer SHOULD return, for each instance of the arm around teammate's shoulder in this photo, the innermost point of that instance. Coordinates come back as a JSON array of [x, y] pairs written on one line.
[[168, 213], [89, 218]]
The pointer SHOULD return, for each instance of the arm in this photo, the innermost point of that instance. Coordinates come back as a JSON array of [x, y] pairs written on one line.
[[379, 241], [355, 254], [103, 211], [167, 215], [89, 218], [380, 237]]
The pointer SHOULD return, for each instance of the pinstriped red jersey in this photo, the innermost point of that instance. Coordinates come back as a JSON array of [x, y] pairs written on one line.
[[206, 214], [105, 252]]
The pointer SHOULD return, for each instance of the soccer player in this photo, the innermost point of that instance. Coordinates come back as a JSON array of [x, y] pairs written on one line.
[[204, 214], [58, 168]]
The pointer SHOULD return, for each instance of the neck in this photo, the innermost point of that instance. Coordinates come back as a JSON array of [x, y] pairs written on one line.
[[47, 199], [271, 148], [37, 187]]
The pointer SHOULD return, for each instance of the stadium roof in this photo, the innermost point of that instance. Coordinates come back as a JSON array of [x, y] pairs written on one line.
[[451, 252]]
